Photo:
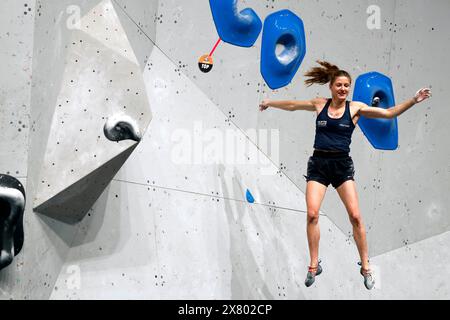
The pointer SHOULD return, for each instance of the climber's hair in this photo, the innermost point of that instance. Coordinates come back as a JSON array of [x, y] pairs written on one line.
[[327, 73]]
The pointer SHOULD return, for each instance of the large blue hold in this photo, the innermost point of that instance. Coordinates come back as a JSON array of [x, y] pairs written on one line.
[[238, 28], [381, 133], [283, 48]]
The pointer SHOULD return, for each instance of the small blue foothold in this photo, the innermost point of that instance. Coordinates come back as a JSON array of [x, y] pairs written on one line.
[[250, 198]]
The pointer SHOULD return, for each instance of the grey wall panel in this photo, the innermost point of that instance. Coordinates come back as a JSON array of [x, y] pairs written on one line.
[[101, 81], [338, 34], [47, 241], [236, 86], [412, 202], [152, 243], [170, 231], [191, 146], [144, 13], [52, 36], [144, 242], [139, 19], [35, 269], [413, 261]]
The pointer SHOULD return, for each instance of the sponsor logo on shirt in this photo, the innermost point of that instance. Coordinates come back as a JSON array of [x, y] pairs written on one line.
[[344, 125]]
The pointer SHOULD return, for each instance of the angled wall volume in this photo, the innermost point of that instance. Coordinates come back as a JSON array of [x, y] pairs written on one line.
[[101, 80]]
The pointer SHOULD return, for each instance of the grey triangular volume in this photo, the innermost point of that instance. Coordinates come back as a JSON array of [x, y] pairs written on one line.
[[72, 204]]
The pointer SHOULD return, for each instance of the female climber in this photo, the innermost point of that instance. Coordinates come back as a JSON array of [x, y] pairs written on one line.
[[331, 163]]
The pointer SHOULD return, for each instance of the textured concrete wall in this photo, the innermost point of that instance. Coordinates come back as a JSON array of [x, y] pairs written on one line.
[[16, 52], [193, 234], [35, 269], [101, 82], [165, 228]]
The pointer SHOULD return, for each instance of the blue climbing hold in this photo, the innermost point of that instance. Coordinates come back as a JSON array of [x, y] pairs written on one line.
[[375, 89], [283, 48], [250, 198], [238, 28]]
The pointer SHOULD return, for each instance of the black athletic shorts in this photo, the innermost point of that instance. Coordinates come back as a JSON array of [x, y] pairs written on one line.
[[330, 167]]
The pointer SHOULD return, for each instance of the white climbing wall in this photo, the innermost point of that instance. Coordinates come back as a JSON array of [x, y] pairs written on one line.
[[175, 224]]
